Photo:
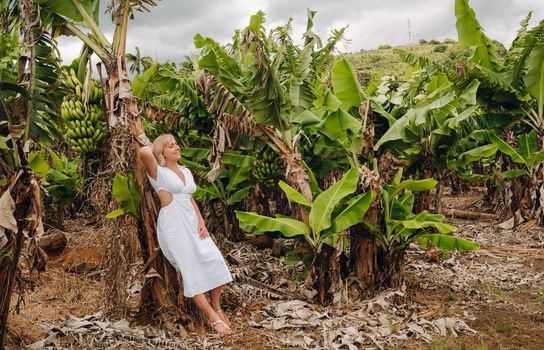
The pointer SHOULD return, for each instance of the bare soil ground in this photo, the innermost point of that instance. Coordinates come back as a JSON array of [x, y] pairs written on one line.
[[492, 298]]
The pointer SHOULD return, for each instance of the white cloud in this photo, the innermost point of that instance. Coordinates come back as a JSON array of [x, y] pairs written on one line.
[[167, 32]]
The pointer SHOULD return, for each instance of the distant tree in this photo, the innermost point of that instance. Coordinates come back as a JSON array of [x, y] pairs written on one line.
[[449, 41], [440, 48], [384, 47], [137, 62], [423, 41], [434, 42]]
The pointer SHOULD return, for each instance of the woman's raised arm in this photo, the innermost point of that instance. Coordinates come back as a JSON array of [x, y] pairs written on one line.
[[145, 152]]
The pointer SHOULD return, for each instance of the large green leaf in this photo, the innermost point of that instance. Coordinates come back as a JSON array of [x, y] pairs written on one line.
[[66, 8], [420, 222], [345, 84], [354, 213], [307, 118], [396, 130], [239, 195], [237, 175], [293, 195], [140, 82], [471, 34], [124, 190], [324, 204], [468, 96], [412, 185], [478, 153], [447, 242], [260, 224], [507, 149], [38, 164], [534, 79], [528, 146]]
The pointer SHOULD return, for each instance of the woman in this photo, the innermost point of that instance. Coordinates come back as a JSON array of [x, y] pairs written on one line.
[[181, 230]]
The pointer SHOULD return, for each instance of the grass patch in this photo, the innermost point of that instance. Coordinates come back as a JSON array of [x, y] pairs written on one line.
[[456, 345], [505, 327], [489, 289]]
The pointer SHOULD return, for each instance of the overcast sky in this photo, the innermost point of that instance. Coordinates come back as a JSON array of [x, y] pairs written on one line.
[[167, 32]]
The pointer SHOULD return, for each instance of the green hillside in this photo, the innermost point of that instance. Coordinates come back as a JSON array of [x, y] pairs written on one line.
[[384, 60]]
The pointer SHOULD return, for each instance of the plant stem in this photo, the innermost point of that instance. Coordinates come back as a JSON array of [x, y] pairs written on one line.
[[101, 52], [102, 40]]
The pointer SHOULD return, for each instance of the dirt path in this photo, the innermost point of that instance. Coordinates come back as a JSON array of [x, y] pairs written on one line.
[[492, 298]]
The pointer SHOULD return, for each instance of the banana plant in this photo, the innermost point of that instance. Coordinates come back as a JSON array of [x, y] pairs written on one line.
[[227, 187], [225, 193], [265, 82], [333, 126], [402, 226], [62, 180], [331, 214]]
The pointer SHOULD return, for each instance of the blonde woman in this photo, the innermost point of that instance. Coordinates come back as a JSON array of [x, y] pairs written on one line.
[[181, 231]]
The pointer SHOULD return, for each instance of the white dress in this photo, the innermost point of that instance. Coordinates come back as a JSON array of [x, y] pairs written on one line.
[[201, 264]]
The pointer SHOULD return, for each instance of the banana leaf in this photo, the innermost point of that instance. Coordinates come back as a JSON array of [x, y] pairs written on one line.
[[259, 224], [293, 195], [446, 242], [345, 85], [354, 213], [324, 204], [534, 79]]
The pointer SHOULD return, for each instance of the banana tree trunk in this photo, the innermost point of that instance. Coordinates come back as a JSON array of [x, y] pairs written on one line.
[[364, 250], [423, 199], [161, 288], [25, 193]]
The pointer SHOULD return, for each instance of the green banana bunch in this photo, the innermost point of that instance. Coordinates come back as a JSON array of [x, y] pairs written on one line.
[[267, 169], [83, 116]]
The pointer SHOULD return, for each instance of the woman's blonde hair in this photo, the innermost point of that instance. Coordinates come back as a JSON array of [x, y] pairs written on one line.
[[159, 145]]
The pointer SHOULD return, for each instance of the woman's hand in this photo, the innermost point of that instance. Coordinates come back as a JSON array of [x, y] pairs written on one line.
[[202, 230], [137, 128]]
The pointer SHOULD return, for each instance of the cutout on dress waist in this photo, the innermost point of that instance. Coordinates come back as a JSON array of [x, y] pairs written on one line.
[[166, 192]]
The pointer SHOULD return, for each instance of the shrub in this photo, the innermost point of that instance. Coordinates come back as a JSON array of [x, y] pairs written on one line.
[[434, 42], [449, 41], [440, 48]]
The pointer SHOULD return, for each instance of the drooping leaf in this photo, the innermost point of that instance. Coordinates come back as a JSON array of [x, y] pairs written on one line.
[[447, 242], [259, 224], [481, 152], [507, 149], [68, 9]]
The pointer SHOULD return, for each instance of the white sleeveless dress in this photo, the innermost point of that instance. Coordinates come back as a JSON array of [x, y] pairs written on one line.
[[201, 264]]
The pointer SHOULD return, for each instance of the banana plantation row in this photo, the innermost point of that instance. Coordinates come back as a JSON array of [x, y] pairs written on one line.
[[283, 138]]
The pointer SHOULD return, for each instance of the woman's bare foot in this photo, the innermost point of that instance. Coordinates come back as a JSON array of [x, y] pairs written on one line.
[[223, 317], [221, 327]]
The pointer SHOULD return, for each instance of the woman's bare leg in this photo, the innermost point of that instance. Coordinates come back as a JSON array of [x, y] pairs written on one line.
[[215, 298], [204, 306]]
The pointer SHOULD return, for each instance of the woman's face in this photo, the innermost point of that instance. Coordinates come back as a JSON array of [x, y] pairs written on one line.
[[171, 152]]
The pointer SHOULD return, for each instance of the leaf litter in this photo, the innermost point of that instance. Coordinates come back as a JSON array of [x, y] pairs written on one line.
[[266, 303]]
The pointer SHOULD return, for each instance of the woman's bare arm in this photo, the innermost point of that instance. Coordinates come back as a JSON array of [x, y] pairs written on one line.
[[145, 153]]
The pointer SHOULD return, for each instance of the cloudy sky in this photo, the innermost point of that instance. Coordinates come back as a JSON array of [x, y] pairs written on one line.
[[167, 32]]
